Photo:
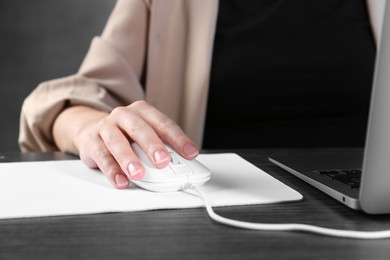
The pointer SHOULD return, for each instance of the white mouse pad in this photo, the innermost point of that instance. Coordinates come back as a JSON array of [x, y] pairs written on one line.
[[52, 188]]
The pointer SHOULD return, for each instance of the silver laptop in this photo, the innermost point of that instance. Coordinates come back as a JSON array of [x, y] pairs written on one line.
[[359, 179]]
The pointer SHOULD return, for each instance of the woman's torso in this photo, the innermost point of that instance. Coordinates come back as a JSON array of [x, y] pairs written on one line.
[[290, 74]]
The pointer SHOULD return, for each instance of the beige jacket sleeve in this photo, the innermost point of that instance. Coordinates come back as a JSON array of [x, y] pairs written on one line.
[[176, 38], [172, 40], [108, 77]]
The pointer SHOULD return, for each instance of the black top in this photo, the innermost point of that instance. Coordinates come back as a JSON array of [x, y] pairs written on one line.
[[289, 74]]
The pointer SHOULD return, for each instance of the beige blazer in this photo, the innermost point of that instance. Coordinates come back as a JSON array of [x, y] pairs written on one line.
[[157, 50]]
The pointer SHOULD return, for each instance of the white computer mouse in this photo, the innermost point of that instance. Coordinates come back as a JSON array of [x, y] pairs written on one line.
[[179, 173]]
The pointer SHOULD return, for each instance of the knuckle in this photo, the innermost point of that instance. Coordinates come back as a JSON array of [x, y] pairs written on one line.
[[136, 125], [166, 123], [118, 111], [139, 105], [102, 156], [110, 138], [101, 125]]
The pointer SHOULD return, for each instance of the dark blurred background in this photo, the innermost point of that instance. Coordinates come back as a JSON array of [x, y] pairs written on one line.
[[41, 40]]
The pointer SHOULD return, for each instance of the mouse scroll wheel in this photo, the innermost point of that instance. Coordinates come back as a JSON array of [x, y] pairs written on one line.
[[174, 159]]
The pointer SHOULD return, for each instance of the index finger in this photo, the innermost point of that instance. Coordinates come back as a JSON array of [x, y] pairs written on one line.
[[168, 130]]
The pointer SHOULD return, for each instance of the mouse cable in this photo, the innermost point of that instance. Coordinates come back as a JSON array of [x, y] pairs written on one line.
[[286, 227]]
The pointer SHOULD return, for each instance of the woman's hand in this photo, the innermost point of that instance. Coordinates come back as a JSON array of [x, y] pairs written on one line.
[[103, 140]]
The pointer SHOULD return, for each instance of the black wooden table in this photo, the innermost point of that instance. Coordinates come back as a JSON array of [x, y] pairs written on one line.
[[190, 234]]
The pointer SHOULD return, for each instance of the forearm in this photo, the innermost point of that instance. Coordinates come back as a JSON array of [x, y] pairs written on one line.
[[69, 125]]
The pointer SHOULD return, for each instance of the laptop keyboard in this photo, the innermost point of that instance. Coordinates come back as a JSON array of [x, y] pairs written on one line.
[[350, 177]]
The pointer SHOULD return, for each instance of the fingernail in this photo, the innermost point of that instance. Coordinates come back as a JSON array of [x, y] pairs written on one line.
[[160, 156], [190, 150], [121, 181], [134, 169]]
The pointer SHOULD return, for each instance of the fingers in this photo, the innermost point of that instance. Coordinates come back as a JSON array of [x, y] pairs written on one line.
[[95, 154], [166, 129], [102, 145], [140, 131], [118, 146], [106, 143]]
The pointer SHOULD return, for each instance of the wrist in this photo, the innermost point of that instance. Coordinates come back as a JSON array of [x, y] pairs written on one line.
[[70, 126]]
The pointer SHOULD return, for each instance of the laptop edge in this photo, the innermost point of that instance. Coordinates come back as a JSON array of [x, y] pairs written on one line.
[[374, 194]]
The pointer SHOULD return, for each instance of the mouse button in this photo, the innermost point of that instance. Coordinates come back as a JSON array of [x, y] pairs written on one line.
[[153, 174], [181, 169], [199, 168]]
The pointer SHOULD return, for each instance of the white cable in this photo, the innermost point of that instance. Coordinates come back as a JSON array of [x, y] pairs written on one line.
[[287, 227]]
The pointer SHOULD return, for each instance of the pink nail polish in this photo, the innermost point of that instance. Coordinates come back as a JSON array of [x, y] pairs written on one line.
[[121, 181], [134, 169], [190, 150], [160, 156]]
